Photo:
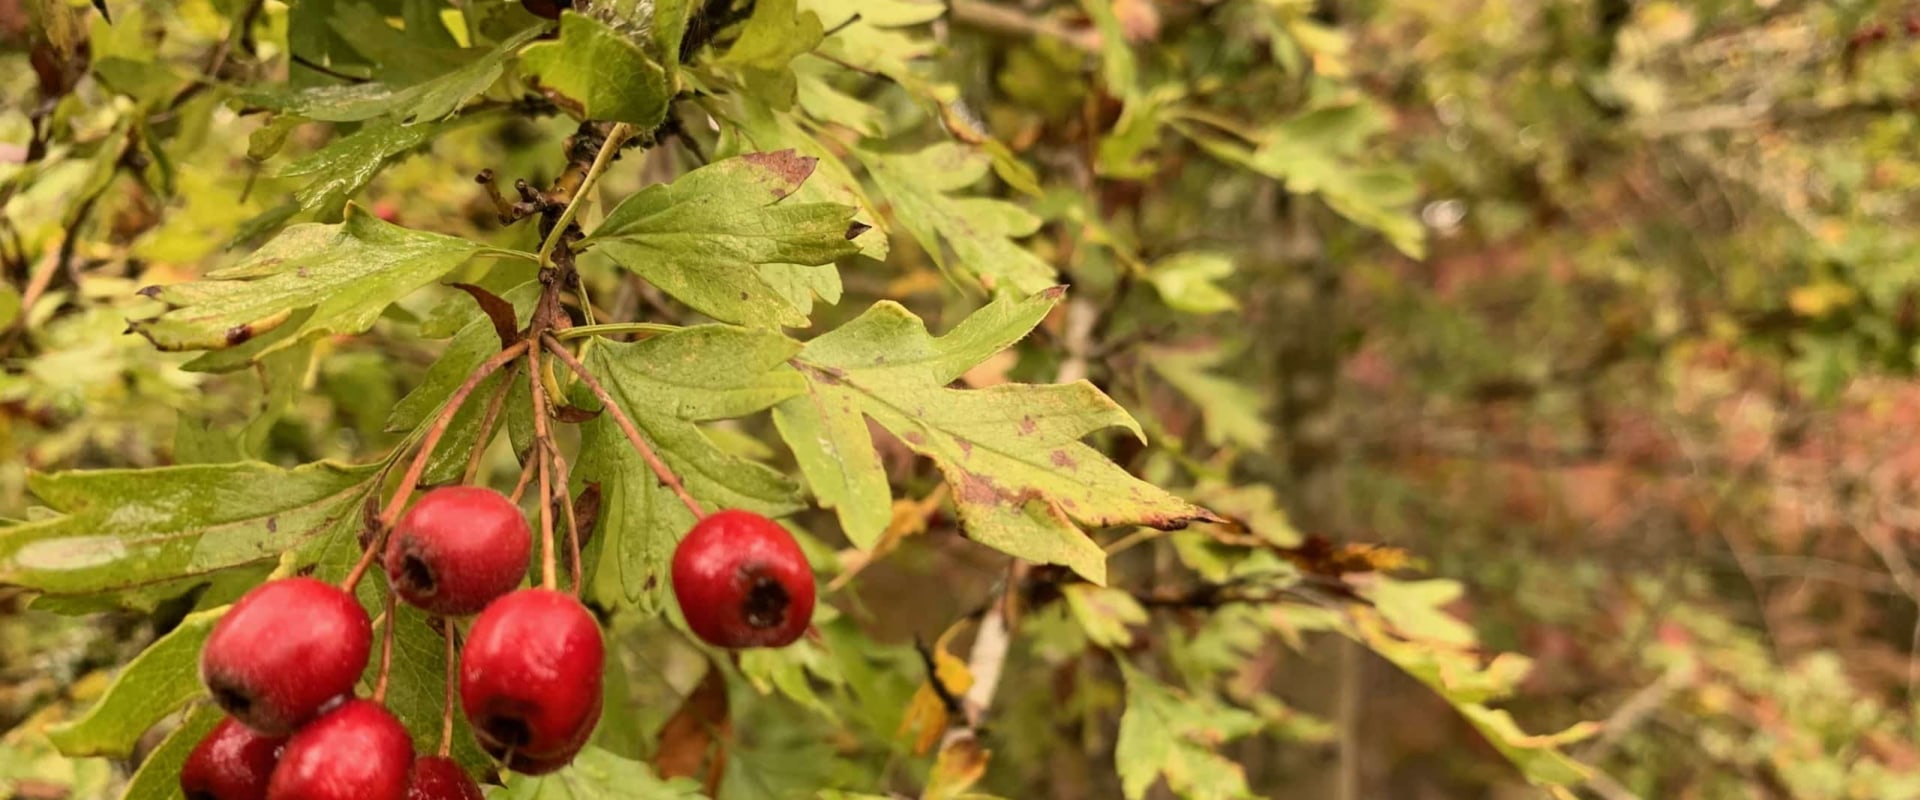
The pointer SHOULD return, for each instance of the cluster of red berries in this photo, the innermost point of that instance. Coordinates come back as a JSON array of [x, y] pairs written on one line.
[[284, 661]]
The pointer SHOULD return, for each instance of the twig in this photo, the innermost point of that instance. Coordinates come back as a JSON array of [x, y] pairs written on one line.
[[487, 421], [563, 479], [542, 443], [526, 476], [386, 648], [412, 479], [620, 418], [616, 137], [446, 700]]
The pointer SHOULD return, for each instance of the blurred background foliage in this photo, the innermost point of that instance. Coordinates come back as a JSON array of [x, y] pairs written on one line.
[[1605, 311]]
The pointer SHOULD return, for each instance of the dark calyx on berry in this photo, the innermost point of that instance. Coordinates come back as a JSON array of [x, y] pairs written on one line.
[[457, 549], [742, 581], [530, 675]]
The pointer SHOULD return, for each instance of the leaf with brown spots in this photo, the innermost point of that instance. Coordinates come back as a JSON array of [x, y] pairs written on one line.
[[348, 273], [1022, 479]]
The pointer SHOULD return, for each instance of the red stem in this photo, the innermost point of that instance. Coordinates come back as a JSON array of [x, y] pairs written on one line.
[[411, 479]]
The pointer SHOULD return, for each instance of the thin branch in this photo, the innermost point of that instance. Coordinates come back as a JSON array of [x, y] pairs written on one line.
[[386, 648], [616, 137], [526, 477], [494, 405], [542, 444], [620, 418], [411, 480], [446, 700], [615, 329]]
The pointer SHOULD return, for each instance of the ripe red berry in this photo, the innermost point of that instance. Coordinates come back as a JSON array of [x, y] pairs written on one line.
[[458, 549], [356, 751], [283, 651], [743, 582], [232, 763], [530, 674], [441, 778]]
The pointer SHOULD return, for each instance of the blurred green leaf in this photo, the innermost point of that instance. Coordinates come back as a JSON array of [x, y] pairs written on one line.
[[155, 683], [1165, 733], [980, 230], [596, 775]]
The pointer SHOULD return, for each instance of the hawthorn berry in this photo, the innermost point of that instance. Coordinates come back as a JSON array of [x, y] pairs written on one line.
[[355, 751], [458, 549], [441, 778], [742, 581], [233, 762], [286, 649], [530, 676]]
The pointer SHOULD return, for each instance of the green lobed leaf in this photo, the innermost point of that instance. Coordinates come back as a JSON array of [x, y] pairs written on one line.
[[979, 230], [1165, 733], [759, 127], [159, 775], [120, 529], [1232, 412], [598, 73], [667, 385], [702, 237], [347, 272], [870, 35], [1104, 613], [158, 682], [596, 775], [775, 34], [1185, 282], [1012, 453]]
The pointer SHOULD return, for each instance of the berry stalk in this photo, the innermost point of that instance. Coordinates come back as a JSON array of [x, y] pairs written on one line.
[[660, 469], [411, 479]]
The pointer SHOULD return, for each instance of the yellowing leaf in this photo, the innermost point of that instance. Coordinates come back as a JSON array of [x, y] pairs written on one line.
[[959, 766], [926, 715], [1011, 453], [979, 230]]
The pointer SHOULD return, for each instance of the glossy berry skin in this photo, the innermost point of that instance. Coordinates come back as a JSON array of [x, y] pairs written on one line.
[[286, 649], [233, 762], [530, 676], [530, 765], [458, 549], [743, 582], [356, 751], [441, 778]]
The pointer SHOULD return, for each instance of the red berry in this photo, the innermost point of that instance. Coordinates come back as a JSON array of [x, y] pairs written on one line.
[[530, 674], [441, 778], [232, 763], [742, 581], [357, 751], [283, 651], [458, 549], [530, 765]]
